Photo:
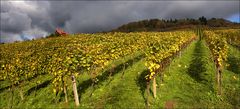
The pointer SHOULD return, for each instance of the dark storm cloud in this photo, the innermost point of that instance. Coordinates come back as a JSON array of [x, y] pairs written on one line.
[[209, 9], [15, 22], [20, 18], [39, 18]]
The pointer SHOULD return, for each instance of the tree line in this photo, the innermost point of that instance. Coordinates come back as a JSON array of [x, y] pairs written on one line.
[[173, 24]]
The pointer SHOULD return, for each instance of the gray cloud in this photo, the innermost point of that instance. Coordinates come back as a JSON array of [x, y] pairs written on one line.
[[36, 19], [15, 22]]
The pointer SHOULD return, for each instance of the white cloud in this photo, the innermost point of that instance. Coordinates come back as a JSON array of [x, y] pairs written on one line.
[[9, 37], [35, 33]]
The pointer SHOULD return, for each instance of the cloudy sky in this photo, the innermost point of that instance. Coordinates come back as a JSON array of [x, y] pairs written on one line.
[[33, 19]]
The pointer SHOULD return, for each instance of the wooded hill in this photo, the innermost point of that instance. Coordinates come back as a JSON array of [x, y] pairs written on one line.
[[175, 24]]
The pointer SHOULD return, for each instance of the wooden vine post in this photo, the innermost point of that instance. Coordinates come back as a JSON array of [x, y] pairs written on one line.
[[219, 79], [154, 87], [124, 67], [65, 92], [75, 90], [148, 89], [148, 92], [112, 70]]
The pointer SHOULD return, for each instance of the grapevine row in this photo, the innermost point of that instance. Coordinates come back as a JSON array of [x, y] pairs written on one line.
[[218, 47], [232, 36], [161, 50]]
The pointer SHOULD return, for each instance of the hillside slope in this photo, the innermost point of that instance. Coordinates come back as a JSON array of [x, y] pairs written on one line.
[[189, 80]]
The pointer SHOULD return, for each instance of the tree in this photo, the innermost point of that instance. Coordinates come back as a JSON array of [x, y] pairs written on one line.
[[203, 20]]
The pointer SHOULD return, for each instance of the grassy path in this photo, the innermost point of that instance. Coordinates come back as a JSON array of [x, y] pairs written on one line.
[[190, 82], [231, 78], [117, 92]]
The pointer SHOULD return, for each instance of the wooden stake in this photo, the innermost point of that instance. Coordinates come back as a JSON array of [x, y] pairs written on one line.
[[75, 91], [219, 81], [148, 93], [21, 94], [154, 87], [65, 93], [124, 67]]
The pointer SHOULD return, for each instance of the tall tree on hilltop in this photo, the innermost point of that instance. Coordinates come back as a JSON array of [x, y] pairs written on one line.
[[203, 20]]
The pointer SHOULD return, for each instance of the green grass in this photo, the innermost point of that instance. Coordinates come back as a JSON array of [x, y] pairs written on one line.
[[115, 91], [193, 86], [189, 82], [232, 78]]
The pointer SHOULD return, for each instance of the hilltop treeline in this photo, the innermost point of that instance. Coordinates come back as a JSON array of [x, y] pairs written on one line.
[[173, 24]]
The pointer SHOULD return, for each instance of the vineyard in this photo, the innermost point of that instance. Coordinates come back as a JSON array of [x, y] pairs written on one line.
[[181, 69]]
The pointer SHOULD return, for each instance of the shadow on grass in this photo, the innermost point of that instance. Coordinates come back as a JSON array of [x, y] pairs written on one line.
[[233, 97], [7, 87], [198, 64], [39, 86], [82, 87], [234, 64], [236, 46], [4, 88], [142, 83]]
